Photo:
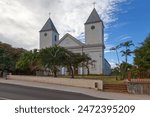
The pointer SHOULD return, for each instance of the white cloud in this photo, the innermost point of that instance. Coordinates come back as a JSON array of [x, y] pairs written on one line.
[[20, 20], [113, 63]]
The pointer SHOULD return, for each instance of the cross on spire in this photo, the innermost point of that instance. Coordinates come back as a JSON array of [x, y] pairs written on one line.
[[94, 4], [49, 14]]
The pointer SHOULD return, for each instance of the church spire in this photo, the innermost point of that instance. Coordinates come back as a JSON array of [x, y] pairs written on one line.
[[49, 26], [93, 18]]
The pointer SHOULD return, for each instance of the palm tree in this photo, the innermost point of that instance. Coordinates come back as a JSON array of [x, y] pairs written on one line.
[[116, 49], [127, 52]]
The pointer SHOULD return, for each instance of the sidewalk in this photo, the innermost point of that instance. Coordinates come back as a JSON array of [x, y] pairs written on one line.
[[91, 92]]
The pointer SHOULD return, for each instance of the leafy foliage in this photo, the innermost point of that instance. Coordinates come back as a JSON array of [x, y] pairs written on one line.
[[53, 58], [142, 55], [127, 52], [9, 56], [29, 61], [86, 61], [122, 68]]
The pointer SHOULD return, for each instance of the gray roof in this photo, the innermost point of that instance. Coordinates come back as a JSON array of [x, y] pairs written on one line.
[[93, 18], [48, 26]]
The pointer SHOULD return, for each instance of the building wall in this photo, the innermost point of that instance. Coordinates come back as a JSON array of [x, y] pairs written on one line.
[[45, 41], [68, 42], [55, 39], [96, 53], [94, 36], [49, 40], [97, 67], [107, 67]]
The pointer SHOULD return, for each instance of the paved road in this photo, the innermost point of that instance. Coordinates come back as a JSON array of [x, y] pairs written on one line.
[[16, 92]]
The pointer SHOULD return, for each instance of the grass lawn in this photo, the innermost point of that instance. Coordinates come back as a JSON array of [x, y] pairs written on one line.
[[106, 79]]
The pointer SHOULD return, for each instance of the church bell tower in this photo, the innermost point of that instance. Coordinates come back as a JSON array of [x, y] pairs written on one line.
[[48, 35], [94, 39], [94, 27]]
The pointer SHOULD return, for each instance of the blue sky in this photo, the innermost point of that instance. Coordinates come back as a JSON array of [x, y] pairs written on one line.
[[21, 20], [133, 23]]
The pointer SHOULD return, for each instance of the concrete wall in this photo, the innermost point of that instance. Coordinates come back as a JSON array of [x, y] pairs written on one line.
[[138, 88], [61, 81]]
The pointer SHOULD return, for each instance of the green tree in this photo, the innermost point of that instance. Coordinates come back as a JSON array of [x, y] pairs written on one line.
[[123, 69], [69, 62], [53, 58], [9, 56], [86, 62], [29, 61], [5, 60], [56, 57], [72, 62], [142, 55], [127, 52]]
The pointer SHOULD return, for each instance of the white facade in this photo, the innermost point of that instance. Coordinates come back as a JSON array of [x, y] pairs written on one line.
[[95, 51], [94, 33], [93, 46], [48, 38]]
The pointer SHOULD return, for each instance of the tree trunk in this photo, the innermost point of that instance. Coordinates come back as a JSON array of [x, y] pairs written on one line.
[[126, 58], [126, 55], [88, 70], [55, 74], [117, 57], [72, 73]]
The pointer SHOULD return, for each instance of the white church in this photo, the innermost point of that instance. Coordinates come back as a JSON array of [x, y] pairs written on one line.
[[93, 46]]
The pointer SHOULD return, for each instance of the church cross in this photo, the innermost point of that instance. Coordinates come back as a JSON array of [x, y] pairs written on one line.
[[49, 14], [94, 3]]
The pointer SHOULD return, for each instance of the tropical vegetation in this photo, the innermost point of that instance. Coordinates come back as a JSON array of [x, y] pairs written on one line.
[[21, 61], [141, 59]]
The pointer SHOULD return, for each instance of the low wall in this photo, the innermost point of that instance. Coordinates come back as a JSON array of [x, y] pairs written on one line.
[[139, 87], [94, 84]]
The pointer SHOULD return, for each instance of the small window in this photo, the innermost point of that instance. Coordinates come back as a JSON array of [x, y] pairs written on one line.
[[92, 27], [55, 38], [45, 34]]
